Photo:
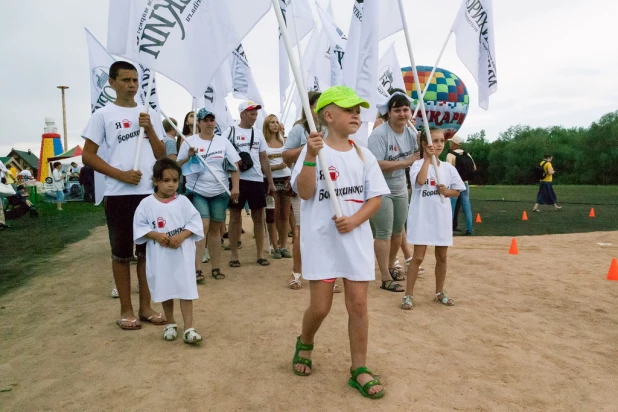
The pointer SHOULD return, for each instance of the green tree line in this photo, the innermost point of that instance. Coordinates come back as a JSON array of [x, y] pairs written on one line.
[[586, 156]]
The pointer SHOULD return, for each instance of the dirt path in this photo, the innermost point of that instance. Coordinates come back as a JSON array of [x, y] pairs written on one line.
[[536, 331]]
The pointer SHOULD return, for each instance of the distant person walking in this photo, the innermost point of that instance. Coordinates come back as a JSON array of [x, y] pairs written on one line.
[[466, 167], [546, 195]]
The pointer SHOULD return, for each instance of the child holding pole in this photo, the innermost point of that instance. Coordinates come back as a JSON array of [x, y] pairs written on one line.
[[170, 225], [340, 247], [430, 219]]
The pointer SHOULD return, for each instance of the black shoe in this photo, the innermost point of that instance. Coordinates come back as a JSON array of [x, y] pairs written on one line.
[[4, 226], [468, 233]]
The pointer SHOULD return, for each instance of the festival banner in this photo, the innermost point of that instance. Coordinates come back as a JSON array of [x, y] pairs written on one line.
[[185, 41], [337, 41], [474, 28]]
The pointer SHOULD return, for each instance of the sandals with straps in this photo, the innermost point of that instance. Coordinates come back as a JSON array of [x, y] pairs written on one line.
[[170, 332], [191, 336], [295, 283], [396, 274], [391, 286], [199, 276], [299, 360], [443, 298], [407, 302], [364, 389], [216, 273]]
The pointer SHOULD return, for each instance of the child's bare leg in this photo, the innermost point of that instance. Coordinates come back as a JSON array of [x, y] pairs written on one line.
[[405, 248], [321, 299], [440, 267], [168, 309], [358, 327], [417, 258], [186, 308]]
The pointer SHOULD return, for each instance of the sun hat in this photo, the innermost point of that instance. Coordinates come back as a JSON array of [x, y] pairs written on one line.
[[383, 106], [202, 113], [457, 139], [248, 105], [342, 96]]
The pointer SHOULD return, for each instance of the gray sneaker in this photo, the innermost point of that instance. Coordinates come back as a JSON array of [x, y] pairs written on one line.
[[276, 254], [285, 253]]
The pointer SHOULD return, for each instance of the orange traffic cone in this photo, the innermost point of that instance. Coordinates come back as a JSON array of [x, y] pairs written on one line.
[[592, 213], [613, 270], [478, 218], [524, 216], [513, 250]]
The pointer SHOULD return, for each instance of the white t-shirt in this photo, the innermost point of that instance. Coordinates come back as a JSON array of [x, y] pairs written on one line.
[[430, 222], [327, 253], [117, 128], [58, 183], [275, 158], [170, 272], [214, 152], [243, 139]]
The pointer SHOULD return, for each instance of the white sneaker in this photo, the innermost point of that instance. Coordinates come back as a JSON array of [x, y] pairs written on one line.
[[115, 293], [206, 257]]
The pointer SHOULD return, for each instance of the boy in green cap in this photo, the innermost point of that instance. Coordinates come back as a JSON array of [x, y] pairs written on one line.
[[340, 247]]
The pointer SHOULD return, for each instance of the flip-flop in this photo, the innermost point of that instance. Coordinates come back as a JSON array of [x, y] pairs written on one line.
[[234, 263], [152, 319], [263, 262], [133, 322]]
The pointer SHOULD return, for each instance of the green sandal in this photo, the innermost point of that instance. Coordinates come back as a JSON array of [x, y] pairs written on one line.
[[364, 389], [299, 359]]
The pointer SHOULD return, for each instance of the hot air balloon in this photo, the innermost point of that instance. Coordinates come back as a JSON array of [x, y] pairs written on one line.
[[446, 100]]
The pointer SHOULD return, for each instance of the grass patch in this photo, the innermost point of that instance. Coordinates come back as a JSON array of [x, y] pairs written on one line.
[[501, 209], [27, 247]]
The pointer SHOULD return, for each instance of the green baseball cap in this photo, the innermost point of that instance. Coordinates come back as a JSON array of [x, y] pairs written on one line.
[[342, 96]]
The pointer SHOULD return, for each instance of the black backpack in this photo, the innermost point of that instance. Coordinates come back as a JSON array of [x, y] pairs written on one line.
[[464, 165], [246, 162], [539, 171]]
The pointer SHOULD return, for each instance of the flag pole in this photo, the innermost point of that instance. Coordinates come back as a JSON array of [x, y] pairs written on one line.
[[181, 136], [305, 100], [433, 71], [194, 109], [421, 103], [140, 138]]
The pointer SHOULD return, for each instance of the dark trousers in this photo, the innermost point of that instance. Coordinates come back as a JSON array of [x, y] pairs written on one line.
[[456, 213]]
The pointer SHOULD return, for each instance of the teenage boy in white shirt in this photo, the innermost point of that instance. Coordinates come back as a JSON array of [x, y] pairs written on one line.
[[251, 180], [116, 126]]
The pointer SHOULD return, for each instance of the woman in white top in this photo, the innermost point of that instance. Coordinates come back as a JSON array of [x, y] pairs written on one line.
[[277, 218], [58, 184], [207, 192]]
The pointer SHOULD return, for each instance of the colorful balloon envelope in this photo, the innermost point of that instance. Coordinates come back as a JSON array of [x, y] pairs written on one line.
[[446, 100]]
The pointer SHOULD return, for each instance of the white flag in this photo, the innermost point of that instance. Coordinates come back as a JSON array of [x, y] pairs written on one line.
[[214, 99], [186, 41], [360, 62], [298, 20], [474, 28], [389, 74], [337, 41], [244, 86]]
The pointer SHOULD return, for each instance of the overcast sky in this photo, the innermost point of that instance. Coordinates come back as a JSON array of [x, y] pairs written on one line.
[[557, 63]]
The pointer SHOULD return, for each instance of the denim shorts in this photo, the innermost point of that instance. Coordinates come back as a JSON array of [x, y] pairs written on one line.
[[212, 208], [119, 212]]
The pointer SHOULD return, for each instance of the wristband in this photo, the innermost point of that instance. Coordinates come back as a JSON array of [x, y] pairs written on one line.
[[310, 164]]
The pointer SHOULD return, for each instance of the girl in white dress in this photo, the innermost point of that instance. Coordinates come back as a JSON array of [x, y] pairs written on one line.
[[338, 247], [170, 225], [430, 219]]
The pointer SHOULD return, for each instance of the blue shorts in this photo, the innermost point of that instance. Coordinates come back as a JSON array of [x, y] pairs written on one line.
[[213, 208], [59, 196]]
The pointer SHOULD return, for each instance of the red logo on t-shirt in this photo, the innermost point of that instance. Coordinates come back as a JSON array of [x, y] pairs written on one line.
[[126, 124], [395, 148], [432, 182], [334, 174], [160, 222], [242, 138], [201, 150]]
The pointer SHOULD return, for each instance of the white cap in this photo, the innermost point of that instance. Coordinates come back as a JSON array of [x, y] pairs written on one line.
[[248, 105], [457, 139]]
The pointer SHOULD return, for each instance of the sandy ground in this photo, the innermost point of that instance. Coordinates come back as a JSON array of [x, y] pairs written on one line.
[[537, 331]]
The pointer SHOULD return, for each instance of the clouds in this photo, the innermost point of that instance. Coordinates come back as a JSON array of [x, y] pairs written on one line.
[[556, 63]]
